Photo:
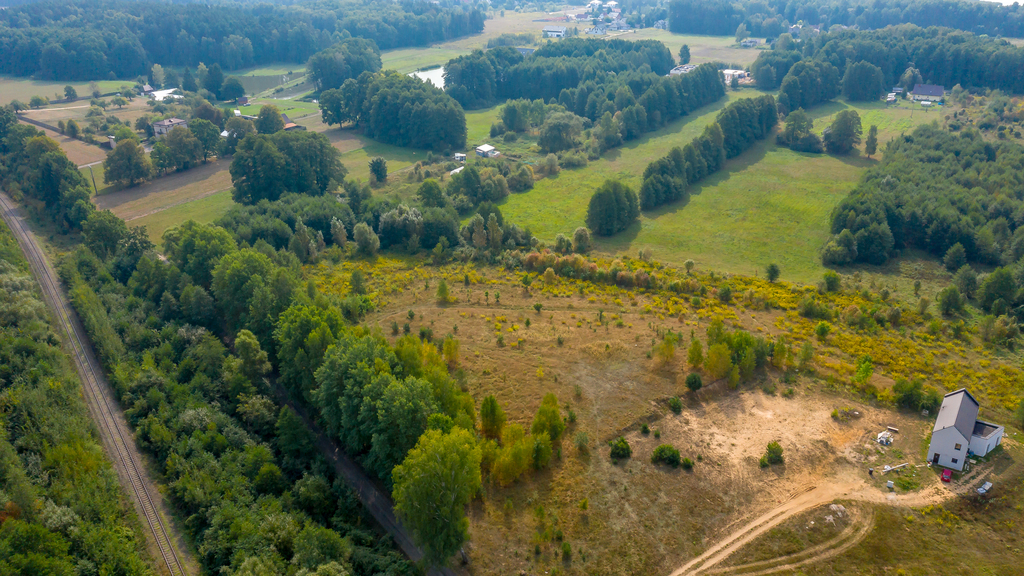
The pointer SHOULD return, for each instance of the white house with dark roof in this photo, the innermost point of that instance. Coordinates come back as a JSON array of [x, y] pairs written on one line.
[[555, 31], [958, 432], [927, 92]]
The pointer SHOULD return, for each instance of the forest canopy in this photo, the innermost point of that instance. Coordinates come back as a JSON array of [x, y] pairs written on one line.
[[99, 39]]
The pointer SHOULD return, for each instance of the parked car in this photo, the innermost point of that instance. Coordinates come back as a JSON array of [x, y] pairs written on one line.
[[985, 488], [947, 475]]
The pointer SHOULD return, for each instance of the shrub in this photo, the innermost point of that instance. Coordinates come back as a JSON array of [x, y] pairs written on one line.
[[773, 453], [645, 429], [832, 281], [675, 404], [582, 441], [950, 301], [666, 454], [687, 464], [725, 293], [620, 449], [772, 272], [822, 330], [566, 551], [955, 258], [693, 382]]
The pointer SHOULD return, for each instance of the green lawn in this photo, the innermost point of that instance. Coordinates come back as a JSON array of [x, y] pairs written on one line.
[[15, 88], [96, 172], [357, 161], [769, 204], [270, 70], [478, 125], [205, 210]]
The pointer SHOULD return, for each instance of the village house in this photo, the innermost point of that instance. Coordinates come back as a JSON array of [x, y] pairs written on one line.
[[927, 92], [487, 151], [958, 433], [682, 69], [555, 31], [750, 43], [162, 127], [661, 24]]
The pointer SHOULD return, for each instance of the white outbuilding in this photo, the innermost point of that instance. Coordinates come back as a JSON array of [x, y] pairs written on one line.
[[958, 433]]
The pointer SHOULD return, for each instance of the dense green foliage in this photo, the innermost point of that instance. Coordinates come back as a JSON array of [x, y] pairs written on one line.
[[33, 165], [771, 18], [122, 39], [397, 109], [666, 454], [735, 129], [255, 494], [933, 190], [613, 207], [61, 507], [349, 58], [266, 166], [808, 82]]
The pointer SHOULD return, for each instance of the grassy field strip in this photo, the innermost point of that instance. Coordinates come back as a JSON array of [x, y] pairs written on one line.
[[14, 88], [204, 210]]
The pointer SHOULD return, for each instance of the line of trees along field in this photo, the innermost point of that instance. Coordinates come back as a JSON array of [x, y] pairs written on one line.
[[735, 129], [62, 511], [902, 55], [114, 38], [769, 19]]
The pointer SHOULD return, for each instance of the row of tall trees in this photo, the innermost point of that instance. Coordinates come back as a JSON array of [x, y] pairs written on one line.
[[397, 109], [772, 18], [117, 38], [735, 129]]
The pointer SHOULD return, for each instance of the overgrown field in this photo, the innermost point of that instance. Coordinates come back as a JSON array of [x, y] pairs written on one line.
[[598, 348], [15, 88]]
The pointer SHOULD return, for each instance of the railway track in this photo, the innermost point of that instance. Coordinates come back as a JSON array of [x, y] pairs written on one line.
[[117, 438]]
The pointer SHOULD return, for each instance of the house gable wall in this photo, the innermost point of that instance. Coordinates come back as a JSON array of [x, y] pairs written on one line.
[[944, 443]]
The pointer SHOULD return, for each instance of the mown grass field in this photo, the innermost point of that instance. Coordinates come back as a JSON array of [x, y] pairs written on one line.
[[15, 88], [204, 210], [702, 48], [768, 205]]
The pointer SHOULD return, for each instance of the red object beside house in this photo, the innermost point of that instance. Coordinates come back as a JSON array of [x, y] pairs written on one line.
[[947, 475]]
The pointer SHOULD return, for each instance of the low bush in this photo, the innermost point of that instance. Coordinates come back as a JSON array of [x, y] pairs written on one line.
[[675, 404], [620, 448], [666, 454]]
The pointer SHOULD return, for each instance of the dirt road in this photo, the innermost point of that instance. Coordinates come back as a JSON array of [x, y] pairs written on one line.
[[163, 541], [800, 502], [375, 500]]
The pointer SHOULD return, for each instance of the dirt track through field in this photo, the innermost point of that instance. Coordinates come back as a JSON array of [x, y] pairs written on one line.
[[800, 502], [171, 190], [167, 544]]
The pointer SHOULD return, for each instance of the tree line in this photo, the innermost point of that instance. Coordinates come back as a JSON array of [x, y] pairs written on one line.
[[33, 165], [397, 109], [735, 129], [121, 39], [863, 64], [61, 508], [906, 202], [771, 19]]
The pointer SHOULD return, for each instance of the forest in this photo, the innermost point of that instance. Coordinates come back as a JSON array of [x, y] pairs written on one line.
[[905, 55], [934, 190], [61, 507], [397, 109], [100, 39], [771, 18]]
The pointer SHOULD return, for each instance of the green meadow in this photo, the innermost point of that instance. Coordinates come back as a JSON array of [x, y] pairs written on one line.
[[204, 210], [770, 204]]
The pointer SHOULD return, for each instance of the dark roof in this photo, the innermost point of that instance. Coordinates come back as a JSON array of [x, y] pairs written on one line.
[[929, 90], [984, 429], [959, 410], [526, 51]]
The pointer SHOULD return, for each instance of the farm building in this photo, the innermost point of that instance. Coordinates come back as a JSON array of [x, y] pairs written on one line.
[[927, 92], [750, 43], [487, 151], [958, 433], [164, 126], [554, 31], [682, 69], [146, 89], [526, 51], [730, 74]]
